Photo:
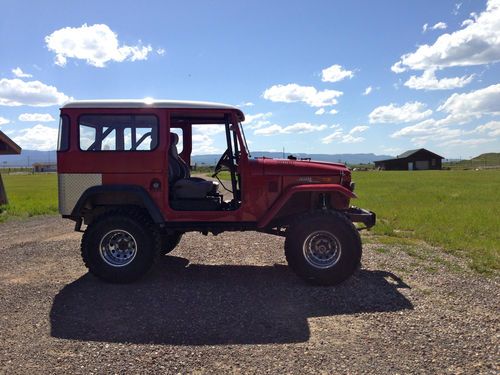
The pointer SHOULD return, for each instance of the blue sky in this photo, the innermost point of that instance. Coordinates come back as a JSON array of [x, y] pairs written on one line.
[[322, 76]]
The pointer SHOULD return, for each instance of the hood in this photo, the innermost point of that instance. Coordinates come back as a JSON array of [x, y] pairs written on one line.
[[286, 167]]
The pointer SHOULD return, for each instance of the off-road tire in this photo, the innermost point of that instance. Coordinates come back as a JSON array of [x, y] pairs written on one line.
[[132, 226], [169, 242], [323, 247]]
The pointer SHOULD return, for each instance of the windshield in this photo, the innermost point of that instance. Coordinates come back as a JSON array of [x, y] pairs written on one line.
[[244, 139]]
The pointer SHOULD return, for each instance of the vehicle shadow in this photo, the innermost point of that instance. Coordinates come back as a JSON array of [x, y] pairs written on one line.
[[194, 304]]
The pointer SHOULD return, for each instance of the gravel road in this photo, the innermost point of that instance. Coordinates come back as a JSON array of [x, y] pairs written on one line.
[[230, 304]]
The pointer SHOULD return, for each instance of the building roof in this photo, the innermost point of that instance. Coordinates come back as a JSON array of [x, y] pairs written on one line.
[[409, 153], [8, 146]]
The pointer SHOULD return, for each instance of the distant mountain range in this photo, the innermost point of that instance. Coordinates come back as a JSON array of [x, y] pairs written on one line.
[[333, 158], [29, 157]]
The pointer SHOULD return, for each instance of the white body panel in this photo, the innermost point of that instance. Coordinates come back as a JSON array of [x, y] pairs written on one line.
[[72, 186]]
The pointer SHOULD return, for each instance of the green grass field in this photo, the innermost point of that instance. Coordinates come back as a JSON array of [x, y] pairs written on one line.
[[29, 195], [456, 210], [488, 160]]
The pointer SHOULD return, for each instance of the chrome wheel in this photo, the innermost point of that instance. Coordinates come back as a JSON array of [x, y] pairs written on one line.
[[322, 249], [118, 248]]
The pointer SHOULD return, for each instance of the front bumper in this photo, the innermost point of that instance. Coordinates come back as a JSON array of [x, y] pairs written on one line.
[[360, 215]]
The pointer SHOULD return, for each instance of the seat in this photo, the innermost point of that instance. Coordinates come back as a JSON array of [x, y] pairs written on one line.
[[182, 185]]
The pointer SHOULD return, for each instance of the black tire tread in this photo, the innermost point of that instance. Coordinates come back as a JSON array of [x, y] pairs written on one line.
[[169, 242], [137, 215], [328, 215]]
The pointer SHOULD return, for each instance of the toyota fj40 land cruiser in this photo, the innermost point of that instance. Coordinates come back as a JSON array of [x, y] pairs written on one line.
[[120, 173]]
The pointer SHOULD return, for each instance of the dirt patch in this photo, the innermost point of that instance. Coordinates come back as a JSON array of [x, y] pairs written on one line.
[[230, 304]]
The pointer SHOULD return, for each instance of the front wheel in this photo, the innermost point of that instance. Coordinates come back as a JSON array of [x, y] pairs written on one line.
[[120, 246], [323, 247], [169, 242]]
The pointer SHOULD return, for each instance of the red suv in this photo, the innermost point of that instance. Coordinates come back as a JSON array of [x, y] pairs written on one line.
[[120, 173]]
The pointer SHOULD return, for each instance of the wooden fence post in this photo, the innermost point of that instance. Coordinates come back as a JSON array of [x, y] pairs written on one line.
[[3, 194]]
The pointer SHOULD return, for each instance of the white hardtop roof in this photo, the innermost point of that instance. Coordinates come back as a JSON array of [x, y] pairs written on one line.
[[146, 103]]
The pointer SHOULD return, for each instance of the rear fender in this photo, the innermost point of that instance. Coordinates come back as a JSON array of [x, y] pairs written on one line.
[[117, 195]]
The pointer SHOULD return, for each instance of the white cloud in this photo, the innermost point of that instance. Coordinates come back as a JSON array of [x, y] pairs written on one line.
[[368, 90], [492, 128], [39, 137], [411, 111], [160, 51], [246, 104], [427, 130], [335, 73], [322, 111], [467, 22], [359, 129], [349, 138], [298, 128], [467, 142], [208, 129], [20, 74], [270, 130], [345, 138], [439, 26], [293, 92], [36, 117], [14, 92], [428, 81], [332, 137], [476, 44], [398, 67], [4, 121], [456, 8], [422, 128], [96, 44], [257, 121], [203, 144], [474, 104], [392, 150], [303, 127], [460, 109]]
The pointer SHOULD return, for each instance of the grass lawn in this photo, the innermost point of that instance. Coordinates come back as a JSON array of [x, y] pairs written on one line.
[[29, 195], [458, 210]]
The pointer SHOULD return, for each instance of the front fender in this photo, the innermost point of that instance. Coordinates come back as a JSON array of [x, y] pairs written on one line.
[[317, 188]]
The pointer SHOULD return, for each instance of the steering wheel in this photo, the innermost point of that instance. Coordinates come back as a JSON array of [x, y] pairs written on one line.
[[224, 163]]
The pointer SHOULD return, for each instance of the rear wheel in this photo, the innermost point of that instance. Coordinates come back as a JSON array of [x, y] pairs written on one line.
[[120, 246], [323, 247]]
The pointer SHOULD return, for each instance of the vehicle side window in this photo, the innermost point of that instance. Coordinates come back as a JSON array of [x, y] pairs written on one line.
[[118, 132], [180, 133], [63, 137]]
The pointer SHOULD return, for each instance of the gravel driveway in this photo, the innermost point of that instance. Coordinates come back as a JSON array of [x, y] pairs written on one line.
[[230, 304]]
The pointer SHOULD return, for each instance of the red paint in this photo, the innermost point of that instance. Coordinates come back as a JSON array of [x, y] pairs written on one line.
[[267, 184]]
